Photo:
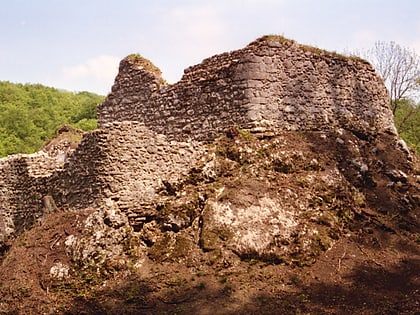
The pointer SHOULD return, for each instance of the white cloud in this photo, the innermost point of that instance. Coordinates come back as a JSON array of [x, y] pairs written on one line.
[[96, 74], [189, 34], [185, 34], [102, 68]]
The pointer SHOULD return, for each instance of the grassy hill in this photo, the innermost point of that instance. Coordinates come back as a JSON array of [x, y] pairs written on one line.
[[31, 113]]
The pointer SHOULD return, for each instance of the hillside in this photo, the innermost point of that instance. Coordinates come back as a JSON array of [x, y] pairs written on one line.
[[268, 180], [363, 259], [31, 113]]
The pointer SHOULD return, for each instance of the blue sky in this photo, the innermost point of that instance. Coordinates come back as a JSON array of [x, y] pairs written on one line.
[[76, 44]]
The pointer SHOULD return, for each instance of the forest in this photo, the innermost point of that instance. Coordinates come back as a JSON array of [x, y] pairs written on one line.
[[31, 114]]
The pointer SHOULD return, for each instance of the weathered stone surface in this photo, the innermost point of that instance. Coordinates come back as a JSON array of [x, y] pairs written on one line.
[[250, 229], [106, 235], [59, 271]]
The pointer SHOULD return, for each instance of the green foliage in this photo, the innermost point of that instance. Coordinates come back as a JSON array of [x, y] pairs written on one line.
[[87, 124], [407, 121], [139, 60], [30, 114]]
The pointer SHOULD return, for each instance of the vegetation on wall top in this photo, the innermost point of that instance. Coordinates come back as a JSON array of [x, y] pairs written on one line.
[[140, 61]]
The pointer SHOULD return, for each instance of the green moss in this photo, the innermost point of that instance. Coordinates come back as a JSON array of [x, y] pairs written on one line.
[[182, 247], [227, 289], [160, 250], [223, 279], [245, 133], [210, 237], [322, 52], [214, 257], [359, 198], [201, 285], [321, 242], [135, 294], [208, 240], [176, 282], [327, 220], [140, 61], [171, 247]]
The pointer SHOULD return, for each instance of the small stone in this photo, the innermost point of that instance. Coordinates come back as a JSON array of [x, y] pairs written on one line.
[[403, 146], [397, 176], [59, 271], [364, 168], [339, 141]]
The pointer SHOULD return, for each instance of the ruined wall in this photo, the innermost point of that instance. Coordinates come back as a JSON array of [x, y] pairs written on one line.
[[78, 183], [22, 186], [272, 84], [205, 102], [124, 162], [295, 87]]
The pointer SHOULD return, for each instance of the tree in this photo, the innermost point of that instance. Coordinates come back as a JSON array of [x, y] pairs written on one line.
[[400, 69], [407, 121]]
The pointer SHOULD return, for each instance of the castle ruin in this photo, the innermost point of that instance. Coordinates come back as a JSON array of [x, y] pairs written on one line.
[[151, 132]]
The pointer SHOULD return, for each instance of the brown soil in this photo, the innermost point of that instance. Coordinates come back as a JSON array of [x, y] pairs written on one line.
[[367, 273], [373, 267]]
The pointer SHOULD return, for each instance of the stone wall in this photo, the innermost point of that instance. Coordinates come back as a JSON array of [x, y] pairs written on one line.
[[22, 186], [123, 162], [205, 102], [272, 84], [295, 87]]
